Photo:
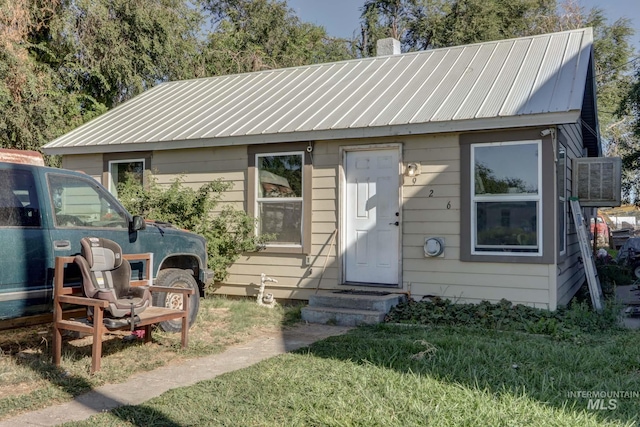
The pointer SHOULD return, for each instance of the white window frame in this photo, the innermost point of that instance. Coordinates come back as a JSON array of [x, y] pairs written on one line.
[[113, 162], [562, 198], [259, 199], [502, 198]]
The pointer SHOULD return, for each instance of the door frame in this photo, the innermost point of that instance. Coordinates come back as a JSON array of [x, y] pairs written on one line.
[[342, 214]]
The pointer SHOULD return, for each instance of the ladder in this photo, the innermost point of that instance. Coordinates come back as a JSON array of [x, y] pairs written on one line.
[[587, 254]]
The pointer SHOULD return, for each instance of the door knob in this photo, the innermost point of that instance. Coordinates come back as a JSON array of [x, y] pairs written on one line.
[[394, 223]]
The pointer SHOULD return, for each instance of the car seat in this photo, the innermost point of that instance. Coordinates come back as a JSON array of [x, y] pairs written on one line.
[[106, 275]]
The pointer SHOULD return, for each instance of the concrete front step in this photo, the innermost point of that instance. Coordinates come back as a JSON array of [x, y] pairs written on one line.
[[357, 300], [350, 308], [341, 316]]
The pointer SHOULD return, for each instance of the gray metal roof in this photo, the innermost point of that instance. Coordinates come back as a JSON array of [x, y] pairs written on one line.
[[537, 80]]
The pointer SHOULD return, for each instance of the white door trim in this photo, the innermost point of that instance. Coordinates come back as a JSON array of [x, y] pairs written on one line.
[[343, 202]]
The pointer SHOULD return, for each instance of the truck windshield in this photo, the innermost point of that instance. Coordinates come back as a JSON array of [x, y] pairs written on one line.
[[82, 202]]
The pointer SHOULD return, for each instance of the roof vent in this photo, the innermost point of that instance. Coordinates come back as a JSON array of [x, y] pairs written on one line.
[[596, 181], [388, 46]]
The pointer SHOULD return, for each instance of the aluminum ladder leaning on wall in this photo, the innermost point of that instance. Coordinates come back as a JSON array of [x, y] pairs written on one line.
[[587, 255]]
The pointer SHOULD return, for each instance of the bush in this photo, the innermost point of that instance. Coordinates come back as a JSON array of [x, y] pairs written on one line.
[[228, 231]]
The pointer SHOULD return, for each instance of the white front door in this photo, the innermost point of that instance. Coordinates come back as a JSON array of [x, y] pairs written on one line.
[[372, 216]]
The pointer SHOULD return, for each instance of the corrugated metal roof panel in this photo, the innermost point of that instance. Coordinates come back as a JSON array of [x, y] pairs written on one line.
[[459, 88]]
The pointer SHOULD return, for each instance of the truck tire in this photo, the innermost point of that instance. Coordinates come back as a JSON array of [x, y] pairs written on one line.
[[176, 278], [636, 270]]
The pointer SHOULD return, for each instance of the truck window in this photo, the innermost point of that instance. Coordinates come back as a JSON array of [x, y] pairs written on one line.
[[82, 202], [18, 199]]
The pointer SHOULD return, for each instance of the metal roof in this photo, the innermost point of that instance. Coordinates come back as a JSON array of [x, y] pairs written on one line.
[[538, 80]]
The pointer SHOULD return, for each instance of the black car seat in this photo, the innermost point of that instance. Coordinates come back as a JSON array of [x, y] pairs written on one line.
[[106, 275]]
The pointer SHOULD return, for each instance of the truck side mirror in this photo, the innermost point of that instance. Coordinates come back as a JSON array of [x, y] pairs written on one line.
[[137, 223]]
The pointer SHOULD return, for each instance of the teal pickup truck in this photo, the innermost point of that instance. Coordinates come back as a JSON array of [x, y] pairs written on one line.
[[44, 212]]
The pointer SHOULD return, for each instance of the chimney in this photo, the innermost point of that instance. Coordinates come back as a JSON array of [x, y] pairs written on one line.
[[388, 46]]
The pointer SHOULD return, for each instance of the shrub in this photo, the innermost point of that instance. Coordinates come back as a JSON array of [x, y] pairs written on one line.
[[228, 231], [504, 315]]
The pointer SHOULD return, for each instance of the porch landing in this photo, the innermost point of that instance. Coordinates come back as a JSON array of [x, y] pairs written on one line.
[[350, 307]]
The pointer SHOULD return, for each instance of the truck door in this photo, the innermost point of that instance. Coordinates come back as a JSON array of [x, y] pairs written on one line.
[[81, 207], [24, 245]]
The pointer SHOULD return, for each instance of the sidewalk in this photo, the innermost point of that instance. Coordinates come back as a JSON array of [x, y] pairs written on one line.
[[146, 385]]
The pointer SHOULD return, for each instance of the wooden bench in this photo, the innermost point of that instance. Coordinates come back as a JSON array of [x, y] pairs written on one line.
[[74, 295]]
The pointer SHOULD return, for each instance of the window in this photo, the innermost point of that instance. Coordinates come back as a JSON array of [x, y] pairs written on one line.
[[506, 198], [82, 202], [279, 197], [18, 199], [119, 170], [561, 176]]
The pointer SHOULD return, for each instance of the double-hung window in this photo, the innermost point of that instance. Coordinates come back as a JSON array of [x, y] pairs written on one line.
[[279, 195], [506, 198], [279, 199]]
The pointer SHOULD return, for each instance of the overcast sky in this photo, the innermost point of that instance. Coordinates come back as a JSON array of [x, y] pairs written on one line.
[[341, 17]]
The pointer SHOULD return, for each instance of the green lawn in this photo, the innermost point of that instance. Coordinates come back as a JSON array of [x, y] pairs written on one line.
[[404, 376]]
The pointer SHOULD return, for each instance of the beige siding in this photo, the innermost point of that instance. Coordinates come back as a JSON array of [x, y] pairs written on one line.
[[570, 275], [91, 164], [431, 207]]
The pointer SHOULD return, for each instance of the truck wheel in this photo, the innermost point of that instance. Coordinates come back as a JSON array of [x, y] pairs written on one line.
[[636, 270], [176, 278]]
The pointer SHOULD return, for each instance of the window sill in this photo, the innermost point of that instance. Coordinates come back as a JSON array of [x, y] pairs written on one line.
[[514, 259], [282, 250]]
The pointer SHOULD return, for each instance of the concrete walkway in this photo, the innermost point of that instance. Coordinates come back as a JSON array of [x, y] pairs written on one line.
[[146, 385]]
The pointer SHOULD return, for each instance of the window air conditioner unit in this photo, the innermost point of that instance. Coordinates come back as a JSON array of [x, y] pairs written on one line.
[[596, 181]]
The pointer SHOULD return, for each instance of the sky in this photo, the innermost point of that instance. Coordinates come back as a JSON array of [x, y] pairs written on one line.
[[341, 17]]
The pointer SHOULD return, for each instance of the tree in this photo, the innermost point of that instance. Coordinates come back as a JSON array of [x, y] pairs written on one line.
[[112, 50], [254, 35], [31, 108], [428, 24], [628, 143]]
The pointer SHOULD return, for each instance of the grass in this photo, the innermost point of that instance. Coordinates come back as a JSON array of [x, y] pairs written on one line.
[[529, 373], [28, 380], [392, 375]]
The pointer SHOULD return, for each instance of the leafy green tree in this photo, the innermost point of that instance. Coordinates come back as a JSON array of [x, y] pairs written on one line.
[[428, 24], [32, 109], [112, 50], [254, 35], [64, 62], [628, 142]]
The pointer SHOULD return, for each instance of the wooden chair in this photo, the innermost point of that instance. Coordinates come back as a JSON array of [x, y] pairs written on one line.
[[74, 295]]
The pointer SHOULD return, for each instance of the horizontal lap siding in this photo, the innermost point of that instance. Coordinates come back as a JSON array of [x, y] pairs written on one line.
[[431, 208], [198, 167], [91, 164], [570, 269]]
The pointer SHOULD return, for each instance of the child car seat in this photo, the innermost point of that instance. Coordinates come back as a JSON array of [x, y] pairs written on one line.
[[106, 275]]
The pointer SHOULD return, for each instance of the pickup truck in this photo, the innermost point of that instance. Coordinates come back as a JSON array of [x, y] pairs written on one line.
[[44, 212]]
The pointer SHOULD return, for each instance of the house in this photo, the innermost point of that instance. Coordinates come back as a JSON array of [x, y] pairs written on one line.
[[444, 172]]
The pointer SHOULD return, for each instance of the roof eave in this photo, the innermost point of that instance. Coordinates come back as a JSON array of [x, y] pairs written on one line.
[[527, 120]]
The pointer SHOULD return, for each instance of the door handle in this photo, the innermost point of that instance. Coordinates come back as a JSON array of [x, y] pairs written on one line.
[[61, 245], [394, 223]]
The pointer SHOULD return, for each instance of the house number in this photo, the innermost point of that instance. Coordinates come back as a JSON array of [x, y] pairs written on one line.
[[448, 205], [430, 193]]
